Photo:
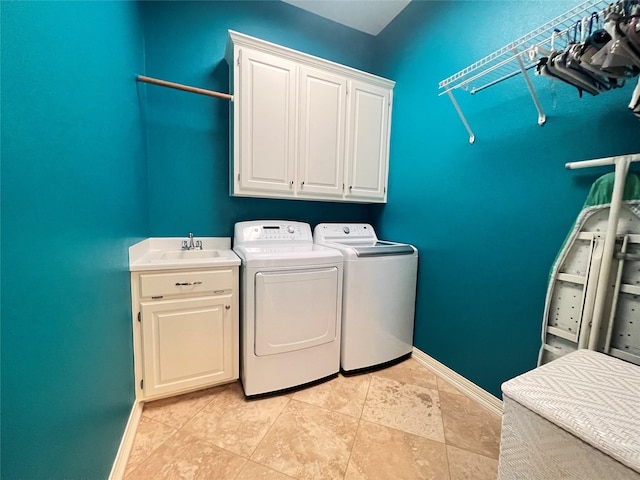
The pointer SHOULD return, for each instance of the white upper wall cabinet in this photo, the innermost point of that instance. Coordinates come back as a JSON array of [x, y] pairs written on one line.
[[266, 123], [321, 132], [305, 128], [368, 151]]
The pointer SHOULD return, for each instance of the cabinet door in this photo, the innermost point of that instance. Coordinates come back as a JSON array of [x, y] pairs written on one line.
[[187, 344], [322, 104], [267, 123], [368, 141]]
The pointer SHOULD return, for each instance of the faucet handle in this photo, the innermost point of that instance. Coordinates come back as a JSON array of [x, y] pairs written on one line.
[[184, 245], [199, 244]]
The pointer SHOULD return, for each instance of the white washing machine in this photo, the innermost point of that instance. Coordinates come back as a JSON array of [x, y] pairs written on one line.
[[379, 295], [290, 306]]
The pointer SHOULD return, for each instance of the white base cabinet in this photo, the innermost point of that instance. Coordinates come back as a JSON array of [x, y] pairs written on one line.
[[305, 128], [185, 330]]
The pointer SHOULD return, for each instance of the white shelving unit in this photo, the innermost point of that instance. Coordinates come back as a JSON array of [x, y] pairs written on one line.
[[520, 56]]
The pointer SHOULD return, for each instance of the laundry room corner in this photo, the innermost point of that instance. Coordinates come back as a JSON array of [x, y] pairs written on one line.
[[489, 217]]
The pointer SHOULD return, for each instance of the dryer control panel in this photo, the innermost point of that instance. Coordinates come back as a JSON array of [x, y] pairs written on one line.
[[272, 231]]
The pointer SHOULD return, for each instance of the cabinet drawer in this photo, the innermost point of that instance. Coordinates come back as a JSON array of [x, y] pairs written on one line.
[[161, 284]]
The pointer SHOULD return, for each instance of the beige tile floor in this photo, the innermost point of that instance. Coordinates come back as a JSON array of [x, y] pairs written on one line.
[[403, 422]]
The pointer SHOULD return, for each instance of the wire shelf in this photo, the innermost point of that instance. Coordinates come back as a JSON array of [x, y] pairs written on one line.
[[504, 63]]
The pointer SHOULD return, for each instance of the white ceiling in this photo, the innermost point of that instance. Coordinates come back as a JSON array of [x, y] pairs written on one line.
[[369, 16]]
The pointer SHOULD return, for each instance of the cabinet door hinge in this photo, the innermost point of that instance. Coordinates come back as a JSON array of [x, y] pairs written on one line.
[[139, 316], [141, 384], [239, 56]]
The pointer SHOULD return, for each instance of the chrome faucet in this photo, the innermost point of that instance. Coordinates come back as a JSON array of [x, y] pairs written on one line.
[[190, 245]]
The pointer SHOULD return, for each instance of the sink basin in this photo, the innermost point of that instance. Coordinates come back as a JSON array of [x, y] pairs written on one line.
[[166, 254], [188, 254]]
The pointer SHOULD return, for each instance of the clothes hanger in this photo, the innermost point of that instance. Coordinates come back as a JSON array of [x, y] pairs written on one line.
[[633, 31], [575, 63], [552, 65], [549, 67], [596, 61], [573, 59], [617, 53], [622, 30]]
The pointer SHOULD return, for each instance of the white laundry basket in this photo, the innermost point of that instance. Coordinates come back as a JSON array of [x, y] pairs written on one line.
[[577, 417]]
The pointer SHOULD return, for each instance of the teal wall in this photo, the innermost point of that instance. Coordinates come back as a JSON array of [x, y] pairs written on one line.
[[92, 162], [489, 218], [188, 135], [73, 199]]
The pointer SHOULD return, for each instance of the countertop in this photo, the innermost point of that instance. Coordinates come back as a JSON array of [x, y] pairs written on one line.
[[147, 254]]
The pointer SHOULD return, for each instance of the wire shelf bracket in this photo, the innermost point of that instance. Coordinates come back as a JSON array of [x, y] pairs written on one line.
[[472, 137]]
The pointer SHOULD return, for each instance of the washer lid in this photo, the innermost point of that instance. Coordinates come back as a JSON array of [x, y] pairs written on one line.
[[359, 239], [383, 248]]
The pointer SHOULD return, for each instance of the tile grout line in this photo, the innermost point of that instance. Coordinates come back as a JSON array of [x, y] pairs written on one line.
[[353, 444], [444, 432], [226, 387], [181, 430], [446, 452], [289, 398], [152, 451], [192, 416], [355, 437], [476, 404]]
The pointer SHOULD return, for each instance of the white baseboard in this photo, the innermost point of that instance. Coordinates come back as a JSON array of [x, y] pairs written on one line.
[[122, 457], [484, 398]]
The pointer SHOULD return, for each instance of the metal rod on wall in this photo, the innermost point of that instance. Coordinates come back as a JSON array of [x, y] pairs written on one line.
[[186, 88]]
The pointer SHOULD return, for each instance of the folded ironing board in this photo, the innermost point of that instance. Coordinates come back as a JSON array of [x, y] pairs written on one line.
[[573, 281]]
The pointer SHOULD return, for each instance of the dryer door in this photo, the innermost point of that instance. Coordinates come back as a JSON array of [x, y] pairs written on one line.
[[295, 309]]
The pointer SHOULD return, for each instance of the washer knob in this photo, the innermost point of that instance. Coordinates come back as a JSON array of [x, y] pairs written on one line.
[[346, 230], [290, 229]]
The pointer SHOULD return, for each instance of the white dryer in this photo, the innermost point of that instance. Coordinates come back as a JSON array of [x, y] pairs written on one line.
[[290, 306], [379, 295]]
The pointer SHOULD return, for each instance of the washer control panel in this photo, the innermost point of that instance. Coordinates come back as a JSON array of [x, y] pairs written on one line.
[[344, 231], [271, 231]]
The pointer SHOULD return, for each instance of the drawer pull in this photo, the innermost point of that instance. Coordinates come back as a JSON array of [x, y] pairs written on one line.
[[227, 307], [186, 284]]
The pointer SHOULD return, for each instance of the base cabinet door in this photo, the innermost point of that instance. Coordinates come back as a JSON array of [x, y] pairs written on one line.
[[186, 344]]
